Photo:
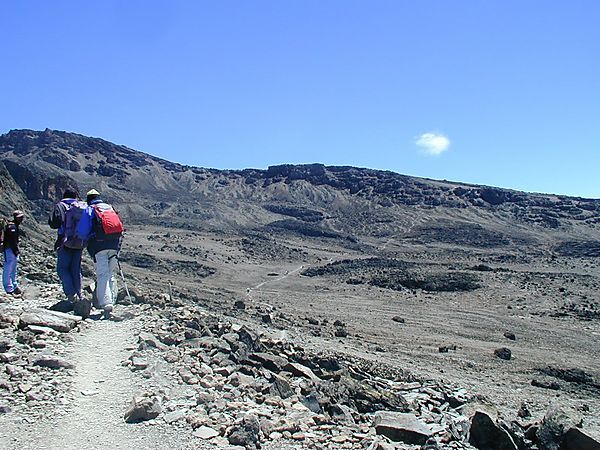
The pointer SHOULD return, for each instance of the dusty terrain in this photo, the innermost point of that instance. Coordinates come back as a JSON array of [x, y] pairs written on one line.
[[532, 300], [412, 286]]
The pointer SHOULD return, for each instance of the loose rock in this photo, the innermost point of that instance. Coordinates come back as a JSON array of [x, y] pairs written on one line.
[[401, 427], [143, 408], [503, 353]]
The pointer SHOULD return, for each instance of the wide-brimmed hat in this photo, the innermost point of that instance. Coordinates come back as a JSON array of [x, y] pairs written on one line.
[[92, 192], [18, 213]]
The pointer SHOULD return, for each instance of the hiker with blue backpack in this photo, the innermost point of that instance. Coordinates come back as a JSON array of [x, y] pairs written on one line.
[[64, 218], [102, 229]]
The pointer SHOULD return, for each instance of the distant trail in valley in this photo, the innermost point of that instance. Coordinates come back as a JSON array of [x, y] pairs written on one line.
[[330, 260], [260, 285]]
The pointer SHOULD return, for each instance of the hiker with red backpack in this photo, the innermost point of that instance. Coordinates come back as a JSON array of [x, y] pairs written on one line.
[[102, 228], [64, 218], [10, 244]]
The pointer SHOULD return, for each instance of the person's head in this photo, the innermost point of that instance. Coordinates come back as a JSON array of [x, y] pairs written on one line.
[[18, 216], [70, 193], [91, 196]]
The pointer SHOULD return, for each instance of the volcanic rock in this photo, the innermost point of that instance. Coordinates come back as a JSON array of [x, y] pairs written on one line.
[[204, 432], [401, 427], [281, 387], [300, 370], [556, 423], [52, 362], [485, 434], [143, 408], [510, 335], [53, 319], [576, 439], [244, 432], [503, 353]]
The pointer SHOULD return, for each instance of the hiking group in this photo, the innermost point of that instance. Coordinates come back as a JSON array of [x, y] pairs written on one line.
[[93, 224]]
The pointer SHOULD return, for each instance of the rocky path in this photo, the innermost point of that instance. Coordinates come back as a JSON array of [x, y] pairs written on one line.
[[100, 393]]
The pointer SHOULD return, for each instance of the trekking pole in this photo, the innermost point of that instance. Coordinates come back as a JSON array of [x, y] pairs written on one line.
[[124, 282]]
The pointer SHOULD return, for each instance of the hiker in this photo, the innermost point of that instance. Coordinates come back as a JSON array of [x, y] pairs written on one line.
[[65, 218], [101, 227], [11, 254]]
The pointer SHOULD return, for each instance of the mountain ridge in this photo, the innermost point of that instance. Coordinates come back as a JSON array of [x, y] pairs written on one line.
[[84, 144], [343, 202]]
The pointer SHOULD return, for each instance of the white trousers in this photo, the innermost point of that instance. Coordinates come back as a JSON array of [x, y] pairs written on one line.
[[106, 283]]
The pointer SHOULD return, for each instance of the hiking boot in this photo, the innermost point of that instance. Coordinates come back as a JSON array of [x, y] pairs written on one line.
[[16, 291], [82, 308], [107, 312], [72, 300]]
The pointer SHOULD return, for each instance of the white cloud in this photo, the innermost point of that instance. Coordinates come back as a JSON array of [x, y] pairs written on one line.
[[433, 143]]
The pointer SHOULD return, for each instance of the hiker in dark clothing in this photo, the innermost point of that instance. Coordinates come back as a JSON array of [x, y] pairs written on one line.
[[64, 218], [11, 254]]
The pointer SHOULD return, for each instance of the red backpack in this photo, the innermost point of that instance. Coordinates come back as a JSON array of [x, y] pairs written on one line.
[[106, 223]]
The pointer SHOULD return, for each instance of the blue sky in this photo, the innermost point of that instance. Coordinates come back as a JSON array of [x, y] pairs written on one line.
[[504, 93]]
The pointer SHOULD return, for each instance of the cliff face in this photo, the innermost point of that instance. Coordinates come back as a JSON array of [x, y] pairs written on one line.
[[11, 196]]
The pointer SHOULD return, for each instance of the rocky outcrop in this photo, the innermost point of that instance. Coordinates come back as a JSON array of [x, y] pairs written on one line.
[[396, 275]]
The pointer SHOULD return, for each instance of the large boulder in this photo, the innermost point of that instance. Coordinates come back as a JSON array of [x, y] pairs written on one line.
[[52, 319], [576, 439], [485, 434], [555, 425], [401, 427]]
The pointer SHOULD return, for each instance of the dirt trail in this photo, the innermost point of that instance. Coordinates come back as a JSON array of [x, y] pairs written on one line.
[[283, 277], [100, 393]]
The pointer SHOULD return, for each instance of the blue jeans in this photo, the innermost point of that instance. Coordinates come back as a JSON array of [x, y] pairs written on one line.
[[68, 266], [9, 275]]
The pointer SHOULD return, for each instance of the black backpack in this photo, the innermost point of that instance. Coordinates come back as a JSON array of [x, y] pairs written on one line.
[[3, 224]]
